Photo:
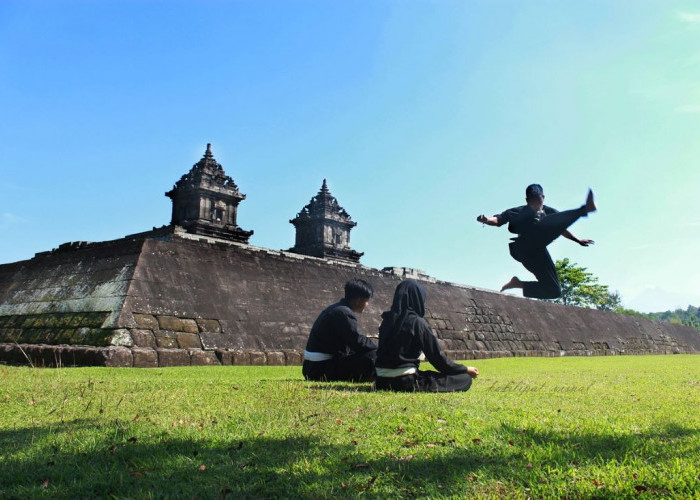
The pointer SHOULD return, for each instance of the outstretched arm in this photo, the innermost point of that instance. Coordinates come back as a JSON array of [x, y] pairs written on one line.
[[583, 243], [489, 221]]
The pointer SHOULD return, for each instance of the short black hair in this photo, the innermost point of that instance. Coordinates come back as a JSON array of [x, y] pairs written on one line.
[[533, 191], [358, 289]]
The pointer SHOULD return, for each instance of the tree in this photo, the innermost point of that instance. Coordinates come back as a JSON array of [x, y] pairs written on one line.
[[690, 317], [581, 288]]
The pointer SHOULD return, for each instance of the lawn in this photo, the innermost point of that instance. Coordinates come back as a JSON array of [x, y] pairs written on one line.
[[621, 426]]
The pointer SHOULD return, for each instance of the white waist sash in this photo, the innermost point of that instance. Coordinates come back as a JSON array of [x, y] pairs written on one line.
[[317, 356], [395, 372]]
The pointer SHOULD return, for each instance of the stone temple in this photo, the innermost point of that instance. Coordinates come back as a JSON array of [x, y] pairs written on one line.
[[195, 292]]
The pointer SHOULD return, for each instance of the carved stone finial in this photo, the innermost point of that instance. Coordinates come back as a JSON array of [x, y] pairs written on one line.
[[205, 201], [323, 228]]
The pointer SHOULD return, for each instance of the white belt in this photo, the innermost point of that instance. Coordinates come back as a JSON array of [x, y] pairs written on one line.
[[395, 372], [317, 356]]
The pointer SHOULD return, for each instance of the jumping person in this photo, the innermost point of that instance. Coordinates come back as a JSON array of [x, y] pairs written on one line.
[[336, 350], [537, 225], [403, 335]]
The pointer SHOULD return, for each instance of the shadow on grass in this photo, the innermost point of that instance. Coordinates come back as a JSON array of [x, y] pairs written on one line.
[[341, 386], [164, 465], [573, 447]]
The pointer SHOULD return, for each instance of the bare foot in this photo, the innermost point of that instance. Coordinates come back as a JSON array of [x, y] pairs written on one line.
[[590, 202], [513, 283]]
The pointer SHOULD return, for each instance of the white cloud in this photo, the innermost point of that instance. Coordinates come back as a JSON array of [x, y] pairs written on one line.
[[689, 17]]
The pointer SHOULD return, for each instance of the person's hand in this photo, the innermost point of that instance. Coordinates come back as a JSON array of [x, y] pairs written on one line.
[[474, 372], [585, 243], [481, 218]]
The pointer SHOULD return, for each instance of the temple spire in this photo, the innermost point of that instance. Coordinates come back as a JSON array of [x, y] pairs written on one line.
[[205, 201], [323, 228]]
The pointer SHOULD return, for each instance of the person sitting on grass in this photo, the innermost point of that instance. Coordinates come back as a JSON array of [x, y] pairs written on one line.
[[336, 350], [403, 335]]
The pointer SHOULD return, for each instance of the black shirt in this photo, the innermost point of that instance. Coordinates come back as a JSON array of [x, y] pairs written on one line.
[[522, 219], [337, 332]]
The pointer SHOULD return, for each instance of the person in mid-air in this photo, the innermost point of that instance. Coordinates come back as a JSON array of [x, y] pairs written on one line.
[[537, 225], [336, 350], [403, 335]]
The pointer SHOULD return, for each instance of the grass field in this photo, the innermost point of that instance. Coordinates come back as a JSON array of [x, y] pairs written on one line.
[[611, 427]]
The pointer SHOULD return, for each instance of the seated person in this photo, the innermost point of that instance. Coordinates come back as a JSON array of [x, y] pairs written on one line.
[[403, 335], [336, 350]]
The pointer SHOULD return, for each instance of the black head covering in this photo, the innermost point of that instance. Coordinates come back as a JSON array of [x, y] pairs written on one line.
[[409, 296], [408, 305]]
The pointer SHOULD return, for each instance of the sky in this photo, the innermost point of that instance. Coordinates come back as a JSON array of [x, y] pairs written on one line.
[[421, 115]]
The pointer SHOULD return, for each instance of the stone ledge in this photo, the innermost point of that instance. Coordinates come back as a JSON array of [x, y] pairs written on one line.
[[44, 355]]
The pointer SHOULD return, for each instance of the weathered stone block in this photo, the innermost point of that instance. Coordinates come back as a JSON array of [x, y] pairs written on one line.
[[225, 357], [212, 340], [146, 321], [257, 358], [6, 353], [199, 357], [166, 339], [83, 356], [117, 357], [121, 337], [293, 358], [455, 355], [189, 325], [144, 357], [241, 358], [208, 325], [52, 355], [88, 336], [275, 358], [173, 357], [33, 354], [143, 338], [169, 323], [188, 340]]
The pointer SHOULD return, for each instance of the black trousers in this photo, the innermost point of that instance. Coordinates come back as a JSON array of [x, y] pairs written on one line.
[[350, 368], [427, 381], [531, 251]]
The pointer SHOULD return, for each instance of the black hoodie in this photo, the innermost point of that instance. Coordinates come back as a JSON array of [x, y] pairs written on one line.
[[404, 333]]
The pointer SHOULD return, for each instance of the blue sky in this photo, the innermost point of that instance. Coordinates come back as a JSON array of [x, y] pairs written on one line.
[[421, 114]]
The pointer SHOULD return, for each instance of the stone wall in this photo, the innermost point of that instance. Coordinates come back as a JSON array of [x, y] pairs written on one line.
[[168, 299]]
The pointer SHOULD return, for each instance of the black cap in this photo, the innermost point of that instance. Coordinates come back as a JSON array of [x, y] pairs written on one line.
[[533, 191]]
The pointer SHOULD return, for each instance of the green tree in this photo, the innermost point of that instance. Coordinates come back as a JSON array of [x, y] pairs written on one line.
[[689, 317], [581, 288]]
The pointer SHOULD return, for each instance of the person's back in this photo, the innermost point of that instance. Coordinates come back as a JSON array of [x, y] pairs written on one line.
[[336, 350], [403, 335], [332, 332]]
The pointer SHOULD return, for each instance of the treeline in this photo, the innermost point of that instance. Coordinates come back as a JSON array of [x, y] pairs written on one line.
[[689, 317], [581, 288]]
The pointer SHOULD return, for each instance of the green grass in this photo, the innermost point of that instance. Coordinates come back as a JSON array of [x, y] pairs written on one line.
[[622, 427]]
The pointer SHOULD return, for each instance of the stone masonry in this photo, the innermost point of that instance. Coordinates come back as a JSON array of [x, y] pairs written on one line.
[[170, 298]]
